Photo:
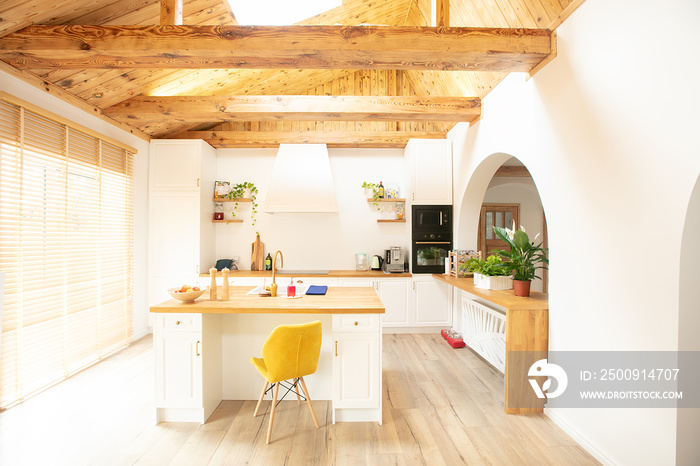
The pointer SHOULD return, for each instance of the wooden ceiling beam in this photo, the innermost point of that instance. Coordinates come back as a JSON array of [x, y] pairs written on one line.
[[170, 12], [442, 13], [297, 108], [276, 47], [337, 139]]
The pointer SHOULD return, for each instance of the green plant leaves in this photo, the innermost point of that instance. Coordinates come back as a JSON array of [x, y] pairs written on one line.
[[521, 241]]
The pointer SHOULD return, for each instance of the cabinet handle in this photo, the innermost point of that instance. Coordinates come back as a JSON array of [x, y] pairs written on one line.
[[413, 196], [336, 349], [356, 323], [177, 322], [198, 182], [413, 284], [197, 348]]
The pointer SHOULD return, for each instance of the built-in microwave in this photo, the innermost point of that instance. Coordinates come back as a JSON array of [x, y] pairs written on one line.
[[432, 218], [431, 237]]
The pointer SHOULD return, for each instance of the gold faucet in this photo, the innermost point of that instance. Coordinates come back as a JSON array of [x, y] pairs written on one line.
[[273, 286]]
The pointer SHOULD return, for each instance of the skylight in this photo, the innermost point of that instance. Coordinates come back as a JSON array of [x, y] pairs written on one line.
[[278, 12]]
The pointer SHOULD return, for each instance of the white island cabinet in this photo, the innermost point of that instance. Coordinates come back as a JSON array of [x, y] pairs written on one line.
[[180, 210], [357, 368], [188, 361]]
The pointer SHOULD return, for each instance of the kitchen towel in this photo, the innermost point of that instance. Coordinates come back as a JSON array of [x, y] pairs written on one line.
[[317, 289]]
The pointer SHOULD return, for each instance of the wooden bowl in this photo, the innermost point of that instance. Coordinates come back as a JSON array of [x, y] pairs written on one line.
[[187, 296]]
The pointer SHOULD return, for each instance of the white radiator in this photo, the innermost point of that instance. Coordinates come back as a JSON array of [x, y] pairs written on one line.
[[484, 330]]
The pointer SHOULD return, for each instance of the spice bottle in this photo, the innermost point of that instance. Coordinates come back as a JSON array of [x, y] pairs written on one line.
[[218, 211]]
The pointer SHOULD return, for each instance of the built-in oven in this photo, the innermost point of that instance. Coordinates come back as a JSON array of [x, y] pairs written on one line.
[[431, 237]]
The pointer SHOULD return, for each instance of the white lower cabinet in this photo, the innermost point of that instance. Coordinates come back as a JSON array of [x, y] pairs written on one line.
[[432, 302], [179, 385], [188, 361], [357, 368], [395, 294]]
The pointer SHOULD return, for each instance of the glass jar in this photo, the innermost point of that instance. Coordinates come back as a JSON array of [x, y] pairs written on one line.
[[218, 211]]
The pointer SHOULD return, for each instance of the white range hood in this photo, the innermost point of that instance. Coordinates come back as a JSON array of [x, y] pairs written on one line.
[[301, 180]]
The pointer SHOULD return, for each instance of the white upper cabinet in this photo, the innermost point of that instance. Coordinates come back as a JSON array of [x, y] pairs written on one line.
[[175, 164], [181, 233], [430, 171]]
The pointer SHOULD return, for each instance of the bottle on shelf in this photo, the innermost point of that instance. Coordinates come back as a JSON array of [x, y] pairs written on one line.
[[268, 262], [218, 211], [381, 190]]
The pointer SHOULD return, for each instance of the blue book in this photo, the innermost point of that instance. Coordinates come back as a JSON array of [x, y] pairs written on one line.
[[317, 289]]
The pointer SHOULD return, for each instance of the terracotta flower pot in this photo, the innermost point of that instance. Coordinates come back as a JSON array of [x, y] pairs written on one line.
[[521, 288]]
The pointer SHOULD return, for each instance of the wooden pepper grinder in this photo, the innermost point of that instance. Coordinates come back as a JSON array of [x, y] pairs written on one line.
[[212, 285], [224, 287]]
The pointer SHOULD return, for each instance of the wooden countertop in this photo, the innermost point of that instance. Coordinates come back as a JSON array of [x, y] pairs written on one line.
[[503, 298], [338, 300], [331, 273]]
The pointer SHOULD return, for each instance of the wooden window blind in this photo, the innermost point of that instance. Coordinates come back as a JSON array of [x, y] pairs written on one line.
[[66, 247]]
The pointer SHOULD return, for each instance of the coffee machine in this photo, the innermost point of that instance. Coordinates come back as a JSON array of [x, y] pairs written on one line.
[[394, 260]]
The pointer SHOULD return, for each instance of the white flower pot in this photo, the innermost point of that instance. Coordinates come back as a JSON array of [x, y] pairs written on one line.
[[493, 283]]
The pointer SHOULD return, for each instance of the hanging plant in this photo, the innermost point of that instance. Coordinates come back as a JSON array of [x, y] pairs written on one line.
[[253, 198], [375, 192], [237, 192]]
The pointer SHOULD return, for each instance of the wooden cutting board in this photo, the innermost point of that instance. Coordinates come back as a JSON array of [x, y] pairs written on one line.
[[257, 256]]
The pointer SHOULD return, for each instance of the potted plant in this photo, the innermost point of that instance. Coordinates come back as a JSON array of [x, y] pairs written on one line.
[[523, 259], [375, 192], [490, 274]]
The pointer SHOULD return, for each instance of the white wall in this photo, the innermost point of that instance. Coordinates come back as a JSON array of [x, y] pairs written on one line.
[[29, 93], [325, 241], [609, 132], [688, 424]]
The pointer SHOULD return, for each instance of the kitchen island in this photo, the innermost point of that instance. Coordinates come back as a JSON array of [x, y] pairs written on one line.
[[203, 349]]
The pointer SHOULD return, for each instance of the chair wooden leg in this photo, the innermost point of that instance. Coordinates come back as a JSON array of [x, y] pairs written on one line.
[[257, 407], [308, 400], [272, 413], [296, 389]]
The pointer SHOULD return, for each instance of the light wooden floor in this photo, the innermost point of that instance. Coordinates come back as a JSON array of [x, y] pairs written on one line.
[[441, 406]]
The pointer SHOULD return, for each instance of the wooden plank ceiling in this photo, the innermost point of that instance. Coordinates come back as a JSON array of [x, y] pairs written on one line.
[[281, 84]]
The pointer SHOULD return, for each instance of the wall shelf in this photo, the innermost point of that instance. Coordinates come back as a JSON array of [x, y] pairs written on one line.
[[397, 200], [235, 220], [384, 199], [240, 199]]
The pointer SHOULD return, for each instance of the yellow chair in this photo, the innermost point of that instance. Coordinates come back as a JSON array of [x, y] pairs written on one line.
[[290, 353]]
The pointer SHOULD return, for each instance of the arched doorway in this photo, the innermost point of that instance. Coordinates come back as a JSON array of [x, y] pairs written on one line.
[[500, 189], [688, 419]]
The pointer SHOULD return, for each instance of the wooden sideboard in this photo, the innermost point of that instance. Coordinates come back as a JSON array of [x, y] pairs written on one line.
[[526, 338]]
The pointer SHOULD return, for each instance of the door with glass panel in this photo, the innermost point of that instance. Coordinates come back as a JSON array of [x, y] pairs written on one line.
[[496, 215]]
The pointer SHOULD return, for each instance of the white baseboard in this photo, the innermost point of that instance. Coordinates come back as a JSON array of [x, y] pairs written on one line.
[[571, 432], [138, 336]]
